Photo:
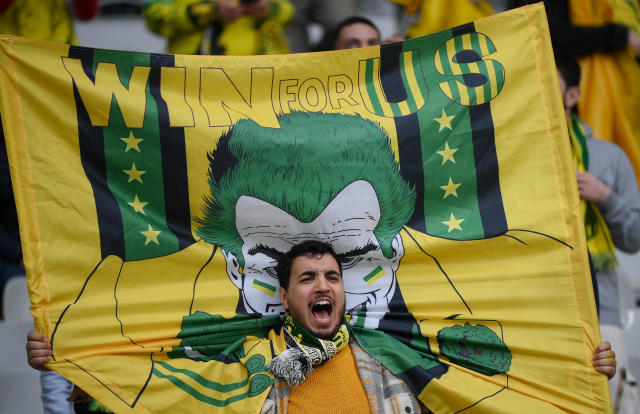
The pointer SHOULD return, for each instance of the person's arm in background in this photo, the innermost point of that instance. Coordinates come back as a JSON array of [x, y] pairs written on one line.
[[619, 203], [55, 393], [621, 210], [170, 18], [572, 40], [276, 13]]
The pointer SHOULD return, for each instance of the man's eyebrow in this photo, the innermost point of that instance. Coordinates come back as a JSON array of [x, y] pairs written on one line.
[[357, 252], [266, 250]]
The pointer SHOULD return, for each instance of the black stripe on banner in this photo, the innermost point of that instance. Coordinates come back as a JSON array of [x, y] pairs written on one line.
[[91, 141], [390, 75], [494, 221], [410, 156], [408, 131], [174, 159]]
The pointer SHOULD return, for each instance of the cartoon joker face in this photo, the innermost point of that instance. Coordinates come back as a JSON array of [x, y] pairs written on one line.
[[325, 177], [347, 224]]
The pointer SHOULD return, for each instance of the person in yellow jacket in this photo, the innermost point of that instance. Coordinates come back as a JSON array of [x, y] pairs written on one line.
[[44, 19], [220, 27]]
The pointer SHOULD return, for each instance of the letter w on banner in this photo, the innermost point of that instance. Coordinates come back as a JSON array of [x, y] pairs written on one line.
[[157, 192]]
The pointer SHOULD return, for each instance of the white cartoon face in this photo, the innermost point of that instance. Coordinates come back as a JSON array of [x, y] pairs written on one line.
[[347, 224]]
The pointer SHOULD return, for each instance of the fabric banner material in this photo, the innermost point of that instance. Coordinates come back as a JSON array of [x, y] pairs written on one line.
[[156, 193]]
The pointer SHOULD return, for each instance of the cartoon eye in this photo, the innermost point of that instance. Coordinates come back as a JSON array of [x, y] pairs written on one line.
[[271, 271], [349, 262]]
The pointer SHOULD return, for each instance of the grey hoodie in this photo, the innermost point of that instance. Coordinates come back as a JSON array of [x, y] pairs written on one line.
[[621, 211]]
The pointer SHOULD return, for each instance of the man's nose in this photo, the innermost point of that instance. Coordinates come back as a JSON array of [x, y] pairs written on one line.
[[322, 284]]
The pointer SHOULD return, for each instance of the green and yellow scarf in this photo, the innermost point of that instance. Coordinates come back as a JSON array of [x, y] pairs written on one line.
[[599, 240], [304, 351]]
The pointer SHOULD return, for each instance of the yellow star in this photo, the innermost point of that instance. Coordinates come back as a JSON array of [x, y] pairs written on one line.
[[450, 188], [447, 153], [444, 121], [134, 173], [151, 235], [138, 206], [453, 223], [132, 142]]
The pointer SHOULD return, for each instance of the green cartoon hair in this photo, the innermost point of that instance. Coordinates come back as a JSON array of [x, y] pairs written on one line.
[[300, 168]]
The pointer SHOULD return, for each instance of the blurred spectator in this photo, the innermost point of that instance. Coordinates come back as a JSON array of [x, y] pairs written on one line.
[[572, 39], [222, 27], [326, 13], [357, 31], [44, 19], [437, 15], [604, 34]]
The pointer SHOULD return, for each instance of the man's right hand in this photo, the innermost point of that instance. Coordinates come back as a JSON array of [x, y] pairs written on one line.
[[38, 351], [591, 188]]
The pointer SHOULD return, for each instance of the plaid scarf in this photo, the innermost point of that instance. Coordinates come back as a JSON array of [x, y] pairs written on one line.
[[599, 240], [304, 351]]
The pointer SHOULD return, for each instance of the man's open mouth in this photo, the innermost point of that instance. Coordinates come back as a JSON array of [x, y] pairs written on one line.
[[321, 310]]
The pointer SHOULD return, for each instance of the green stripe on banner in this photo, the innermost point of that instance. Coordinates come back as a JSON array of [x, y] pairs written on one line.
[[499, 71], [134, 169], [455, 92], [417, 68], [395, 108], [459, 47], [369, 81], [262, 285], [465, 69], [411, 102], [372, 274], [444, 61], [482, 65], [198, 395], [212, 385]]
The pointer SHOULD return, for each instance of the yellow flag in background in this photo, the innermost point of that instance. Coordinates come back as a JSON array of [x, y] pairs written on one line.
[[411, 5], [610, 88], [436, 15], [156, 192]]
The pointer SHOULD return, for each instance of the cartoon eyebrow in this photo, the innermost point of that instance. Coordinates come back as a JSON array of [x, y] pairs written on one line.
[[357, 252], [268, 251]]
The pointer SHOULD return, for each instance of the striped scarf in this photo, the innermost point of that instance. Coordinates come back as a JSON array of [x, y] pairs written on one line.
[[599, 240], [304, 351]]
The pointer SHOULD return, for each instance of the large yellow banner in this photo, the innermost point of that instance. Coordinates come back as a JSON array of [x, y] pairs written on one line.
[[156, 193]]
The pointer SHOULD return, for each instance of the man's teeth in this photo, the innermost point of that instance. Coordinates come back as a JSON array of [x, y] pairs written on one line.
[[322, 302]]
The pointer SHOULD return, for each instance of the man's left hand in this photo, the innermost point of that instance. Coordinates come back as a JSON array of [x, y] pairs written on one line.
[[592, 189], [604, 360]]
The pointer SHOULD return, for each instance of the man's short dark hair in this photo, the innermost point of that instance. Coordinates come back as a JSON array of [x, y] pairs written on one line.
[[346, 22], [306, 248], [569, 70]]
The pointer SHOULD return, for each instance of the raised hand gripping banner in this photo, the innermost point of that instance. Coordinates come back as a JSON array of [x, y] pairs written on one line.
[[156, 193]]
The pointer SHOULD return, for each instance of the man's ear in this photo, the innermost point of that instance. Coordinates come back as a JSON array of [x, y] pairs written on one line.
[[572, 96], [282, 293], [234, 271], [398, 252]]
